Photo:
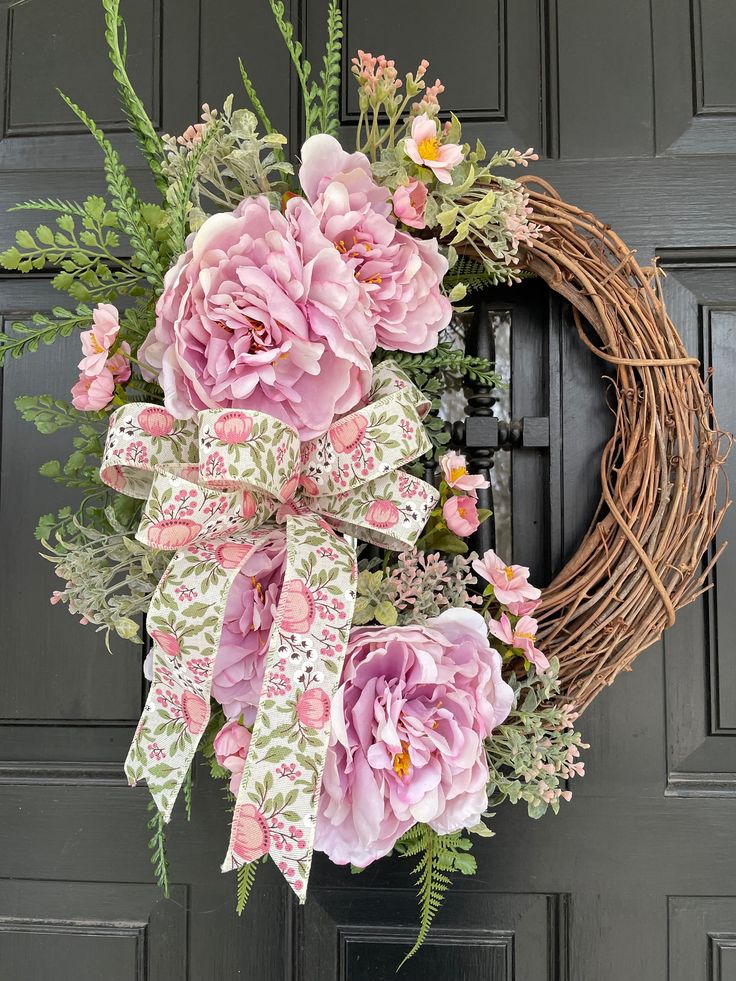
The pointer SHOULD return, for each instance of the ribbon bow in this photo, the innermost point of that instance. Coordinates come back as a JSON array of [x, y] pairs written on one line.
[[216, 489]]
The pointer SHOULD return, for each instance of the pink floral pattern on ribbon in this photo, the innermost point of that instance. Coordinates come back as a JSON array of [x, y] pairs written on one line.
[[215, 490]]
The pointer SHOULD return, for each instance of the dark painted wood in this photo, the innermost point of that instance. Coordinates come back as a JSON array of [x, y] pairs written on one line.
[[632, 106]]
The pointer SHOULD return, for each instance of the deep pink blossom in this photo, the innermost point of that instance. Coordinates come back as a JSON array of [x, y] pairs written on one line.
[[249, 616], [409, 201], [461, 515], [455, 471], [99, 339], [510, 582], [520, 636], [262, 313], [93, 392], [400, 276], [408, 722]]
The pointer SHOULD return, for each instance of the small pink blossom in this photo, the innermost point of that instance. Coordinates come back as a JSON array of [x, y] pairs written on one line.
[[119, 364], [97, 341], [93, 392], [456, 475], [521, 636], [409, 201], [510, 582], [461, 515], [425, 149]]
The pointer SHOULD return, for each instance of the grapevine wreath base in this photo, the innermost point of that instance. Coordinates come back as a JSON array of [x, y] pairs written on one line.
[[264, 353], [648, 550]]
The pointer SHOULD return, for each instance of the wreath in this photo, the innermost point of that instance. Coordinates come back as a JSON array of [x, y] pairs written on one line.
[[263, 357]]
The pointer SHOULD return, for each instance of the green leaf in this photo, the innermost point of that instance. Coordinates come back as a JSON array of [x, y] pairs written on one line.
[[246, 876], [385, 613], [49, 414], [148, 139]]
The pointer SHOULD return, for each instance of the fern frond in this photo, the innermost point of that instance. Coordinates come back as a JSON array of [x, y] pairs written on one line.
[[157, 847], [246, 876], [440, 855], [148, 139], [303, 68], [187, 791], [330, 74], [179, 196], [250, 91], [125, 200], [51, 204], [26, 339]]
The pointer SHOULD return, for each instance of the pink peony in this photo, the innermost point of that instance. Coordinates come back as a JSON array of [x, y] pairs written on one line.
[[231, 746], [461, 515], [249, 615], [399, 275], [409, 201], [455, 472], [93, 392], [262, 313], [97, 341], [510, 582], [408, 723], [425, 149], [521, 636]]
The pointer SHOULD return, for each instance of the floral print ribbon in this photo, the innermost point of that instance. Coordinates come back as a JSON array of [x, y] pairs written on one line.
[[217, 488]]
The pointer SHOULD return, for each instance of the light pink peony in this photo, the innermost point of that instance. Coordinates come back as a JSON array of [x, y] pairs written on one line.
[[455, 471], [262, 313], [425, 149], [510, 582], [461, 515], [409, 201], [231, 745], [408, 722], [97, 341], [93, 392], [400, 275], [249, 614]]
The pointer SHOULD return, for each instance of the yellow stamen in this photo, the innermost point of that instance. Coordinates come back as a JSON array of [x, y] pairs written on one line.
[[96, 346], [456, 473], [519, 633], [509, 573], [401, 761], [430, 149]]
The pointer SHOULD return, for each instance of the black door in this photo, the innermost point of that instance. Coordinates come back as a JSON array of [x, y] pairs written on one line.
[[633, 108]]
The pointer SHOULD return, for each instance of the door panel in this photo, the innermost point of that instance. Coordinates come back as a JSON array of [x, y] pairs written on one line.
[[633, 109]]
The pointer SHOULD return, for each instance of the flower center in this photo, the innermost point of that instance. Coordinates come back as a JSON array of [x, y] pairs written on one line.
[[401, 762], [456, 473], [96, 346], [509, 573], [520, 633], [430, 149]]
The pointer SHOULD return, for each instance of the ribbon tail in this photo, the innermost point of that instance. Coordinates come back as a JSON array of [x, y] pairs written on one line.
[[185, 622], [278, 798]]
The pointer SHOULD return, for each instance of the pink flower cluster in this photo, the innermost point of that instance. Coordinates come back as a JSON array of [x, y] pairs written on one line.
[[281, 312], [101, 369], [512, 589], [408, 723], [378, 75], [460, 510]]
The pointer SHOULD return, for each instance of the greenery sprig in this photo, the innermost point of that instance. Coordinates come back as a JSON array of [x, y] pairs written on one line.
[[148, 139], [441, 855]]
